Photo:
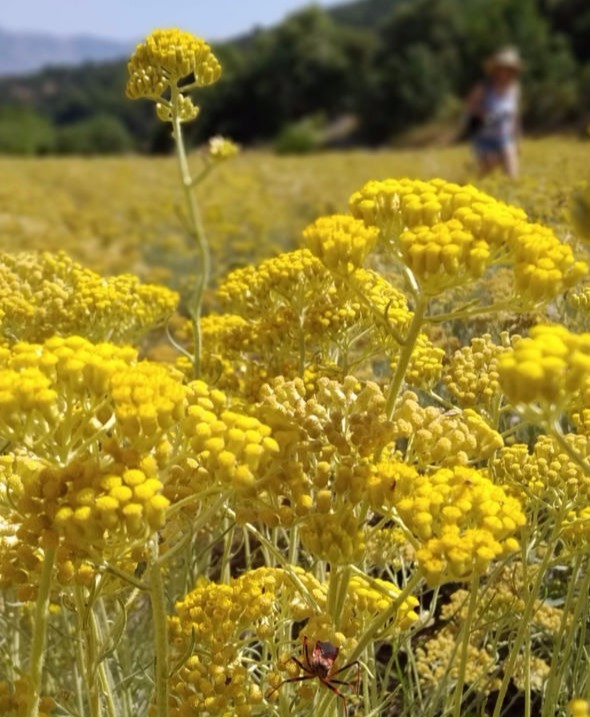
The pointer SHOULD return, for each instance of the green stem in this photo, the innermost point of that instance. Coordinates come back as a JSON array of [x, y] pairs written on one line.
[[88, 651], [160, 632], [568, 628], [525, 620], [465, 635], [337, 589], [40, 633], [197, 231], [406, 354]]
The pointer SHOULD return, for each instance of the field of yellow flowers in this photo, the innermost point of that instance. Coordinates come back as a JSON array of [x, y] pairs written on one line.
[[292, 436]]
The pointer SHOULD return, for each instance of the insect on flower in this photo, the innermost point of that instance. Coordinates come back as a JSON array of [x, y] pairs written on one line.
[[321, 664]]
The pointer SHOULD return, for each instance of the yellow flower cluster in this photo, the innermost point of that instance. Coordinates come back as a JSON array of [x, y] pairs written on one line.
[[226, 622], [341, 242], [443, 438], [446, 234], [294, 276], [472, 373], [95, 511], [461, 520], [148, 400], [232, 447], [326, 323], [444, 254], [325, 435], [221, 148], [166, 57], [438, 657], [547, 368], [548, 473], [455, 439], [42, 294], [371, 596], [49, 393], [426, 364], [338, 538]]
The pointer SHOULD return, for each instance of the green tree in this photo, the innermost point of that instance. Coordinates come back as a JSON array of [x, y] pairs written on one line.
[[102, 134], [24, 131]]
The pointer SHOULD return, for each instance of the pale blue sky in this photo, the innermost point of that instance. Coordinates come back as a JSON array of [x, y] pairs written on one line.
[[128, 20]]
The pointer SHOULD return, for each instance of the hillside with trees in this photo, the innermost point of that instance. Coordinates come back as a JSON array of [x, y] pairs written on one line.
[[390, 64]]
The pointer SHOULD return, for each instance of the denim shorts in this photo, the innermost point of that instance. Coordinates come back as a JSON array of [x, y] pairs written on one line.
[[491, 145]]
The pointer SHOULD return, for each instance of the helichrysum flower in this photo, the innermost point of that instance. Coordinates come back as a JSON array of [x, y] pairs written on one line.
[[461, 520], [42, 294], [165, 58], [221, 148], [448, 234], [426, 364], [341, 242], [547, 368], [472, 373], [443, 438], [547, 473], [338, 538]]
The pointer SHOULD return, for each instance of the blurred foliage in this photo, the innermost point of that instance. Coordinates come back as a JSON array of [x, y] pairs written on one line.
[[24, 131], [100, 134], [393, 64]]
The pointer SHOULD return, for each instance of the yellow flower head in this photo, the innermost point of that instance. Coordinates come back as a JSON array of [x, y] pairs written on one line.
[[341, 242], [221, 148], [547, 368], [166, 57], [461, 519], [447, 234]]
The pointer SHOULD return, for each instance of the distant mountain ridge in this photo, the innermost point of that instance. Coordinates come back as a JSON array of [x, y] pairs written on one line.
[[25, 52]]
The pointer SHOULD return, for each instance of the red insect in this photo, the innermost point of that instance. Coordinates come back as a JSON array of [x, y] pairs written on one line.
[[320, 664]]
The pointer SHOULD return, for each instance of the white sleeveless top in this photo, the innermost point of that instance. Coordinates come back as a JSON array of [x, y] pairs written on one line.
[[500, 110]]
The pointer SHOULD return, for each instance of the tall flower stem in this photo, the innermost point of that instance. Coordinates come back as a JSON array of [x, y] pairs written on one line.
[[158, 601], [197, 232], [406, 354], [40, 633], [525, 621], [465, 635]]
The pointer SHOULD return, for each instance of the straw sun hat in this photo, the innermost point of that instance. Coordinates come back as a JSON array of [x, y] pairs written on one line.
[[505, 57]]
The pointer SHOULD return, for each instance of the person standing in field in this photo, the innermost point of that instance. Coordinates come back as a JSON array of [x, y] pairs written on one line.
[[493, 116]]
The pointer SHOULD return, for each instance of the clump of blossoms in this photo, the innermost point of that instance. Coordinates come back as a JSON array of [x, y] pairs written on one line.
[[42, 294], [162, 62], [341, 242], [232, 623], [326, 326], [459, 518], [472, 376], [443, 438], [549, 370], [447, 234]]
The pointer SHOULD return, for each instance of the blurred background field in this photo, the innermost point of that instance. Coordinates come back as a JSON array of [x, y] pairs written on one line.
[[125, 214]]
